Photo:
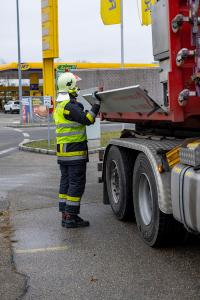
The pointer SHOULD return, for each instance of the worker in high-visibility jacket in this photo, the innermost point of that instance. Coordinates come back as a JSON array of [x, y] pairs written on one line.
[[72, 151]]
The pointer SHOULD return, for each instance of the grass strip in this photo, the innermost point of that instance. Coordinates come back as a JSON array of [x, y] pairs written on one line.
[[43, 144], [107, 136]]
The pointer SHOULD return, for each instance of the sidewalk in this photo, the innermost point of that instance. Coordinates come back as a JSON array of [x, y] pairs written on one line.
[[12, 283]]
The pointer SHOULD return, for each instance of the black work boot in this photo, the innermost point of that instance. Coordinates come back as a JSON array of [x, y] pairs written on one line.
[[62, 205], [74, 221], [64, 215]]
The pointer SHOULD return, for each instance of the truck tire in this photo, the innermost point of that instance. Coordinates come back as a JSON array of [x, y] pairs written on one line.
[[119, 183], [155, 227]]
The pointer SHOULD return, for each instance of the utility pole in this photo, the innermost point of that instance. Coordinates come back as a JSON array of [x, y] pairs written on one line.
[[19, 60], [122, 33]]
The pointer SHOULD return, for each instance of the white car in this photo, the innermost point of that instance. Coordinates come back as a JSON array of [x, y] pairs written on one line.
[[12, 106]]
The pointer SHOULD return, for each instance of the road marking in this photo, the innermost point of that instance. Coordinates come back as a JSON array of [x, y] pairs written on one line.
[[8, 150], [48, 249], [26, 140], [26, 134], [18, 130]]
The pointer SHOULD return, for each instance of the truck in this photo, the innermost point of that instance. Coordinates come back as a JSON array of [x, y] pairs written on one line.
[[152, 172]]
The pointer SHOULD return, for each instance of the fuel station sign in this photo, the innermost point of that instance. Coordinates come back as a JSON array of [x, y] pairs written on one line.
[[24, 67], [50, 28]]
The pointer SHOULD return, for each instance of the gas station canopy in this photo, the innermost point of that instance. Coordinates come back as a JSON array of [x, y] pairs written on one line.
[[10, 71]]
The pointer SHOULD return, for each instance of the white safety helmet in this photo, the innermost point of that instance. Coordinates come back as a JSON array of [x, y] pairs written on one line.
[[66, 81]]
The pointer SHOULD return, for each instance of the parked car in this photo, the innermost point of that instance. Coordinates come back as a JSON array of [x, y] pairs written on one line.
[[12, 107]]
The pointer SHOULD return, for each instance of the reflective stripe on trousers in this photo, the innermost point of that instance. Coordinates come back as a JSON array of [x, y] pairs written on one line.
[[71, 158], [74, 201], [72, 185]]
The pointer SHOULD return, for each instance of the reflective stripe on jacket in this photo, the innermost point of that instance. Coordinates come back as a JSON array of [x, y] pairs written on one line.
[[71, 136]]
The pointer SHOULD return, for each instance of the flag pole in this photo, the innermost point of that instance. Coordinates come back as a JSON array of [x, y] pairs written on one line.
[[122, 33]]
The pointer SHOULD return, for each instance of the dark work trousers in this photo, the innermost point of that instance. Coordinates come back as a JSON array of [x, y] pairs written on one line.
[[72, 185]]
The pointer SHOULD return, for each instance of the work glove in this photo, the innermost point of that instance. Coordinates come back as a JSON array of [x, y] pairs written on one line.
[[96, 98]]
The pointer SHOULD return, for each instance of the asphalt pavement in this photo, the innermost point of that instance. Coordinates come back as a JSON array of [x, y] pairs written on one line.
[[107, 260]]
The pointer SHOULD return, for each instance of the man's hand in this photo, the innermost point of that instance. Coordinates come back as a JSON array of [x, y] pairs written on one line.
[[96, 97]]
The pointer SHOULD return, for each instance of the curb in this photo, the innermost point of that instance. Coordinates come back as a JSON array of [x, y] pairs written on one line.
[[39, 125], [28, 126], [23, 147]]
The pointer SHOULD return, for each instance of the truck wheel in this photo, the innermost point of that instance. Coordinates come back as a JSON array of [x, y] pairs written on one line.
[[119, 183], [155, 227]]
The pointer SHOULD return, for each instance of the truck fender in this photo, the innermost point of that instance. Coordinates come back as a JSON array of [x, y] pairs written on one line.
[[149, 148]]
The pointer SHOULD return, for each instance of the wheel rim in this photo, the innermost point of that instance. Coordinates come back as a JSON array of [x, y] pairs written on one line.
[[145, 199], [114, 182]]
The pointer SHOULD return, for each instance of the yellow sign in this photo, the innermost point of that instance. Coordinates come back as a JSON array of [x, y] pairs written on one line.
[[110, 12], [146, 11], [25, 67], [50, 28]]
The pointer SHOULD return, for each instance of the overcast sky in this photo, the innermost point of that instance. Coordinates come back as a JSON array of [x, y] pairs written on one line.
[[82, 35]]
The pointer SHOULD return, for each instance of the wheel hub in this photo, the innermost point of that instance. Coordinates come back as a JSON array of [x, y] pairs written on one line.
[[145, 199], [115, 180]]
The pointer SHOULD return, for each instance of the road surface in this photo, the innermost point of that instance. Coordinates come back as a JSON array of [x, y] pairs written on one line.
[[107, 260]]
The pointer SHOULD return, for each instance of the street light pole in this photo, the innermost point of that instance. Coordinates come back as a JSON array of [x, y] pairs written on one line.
[[19, 60]]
